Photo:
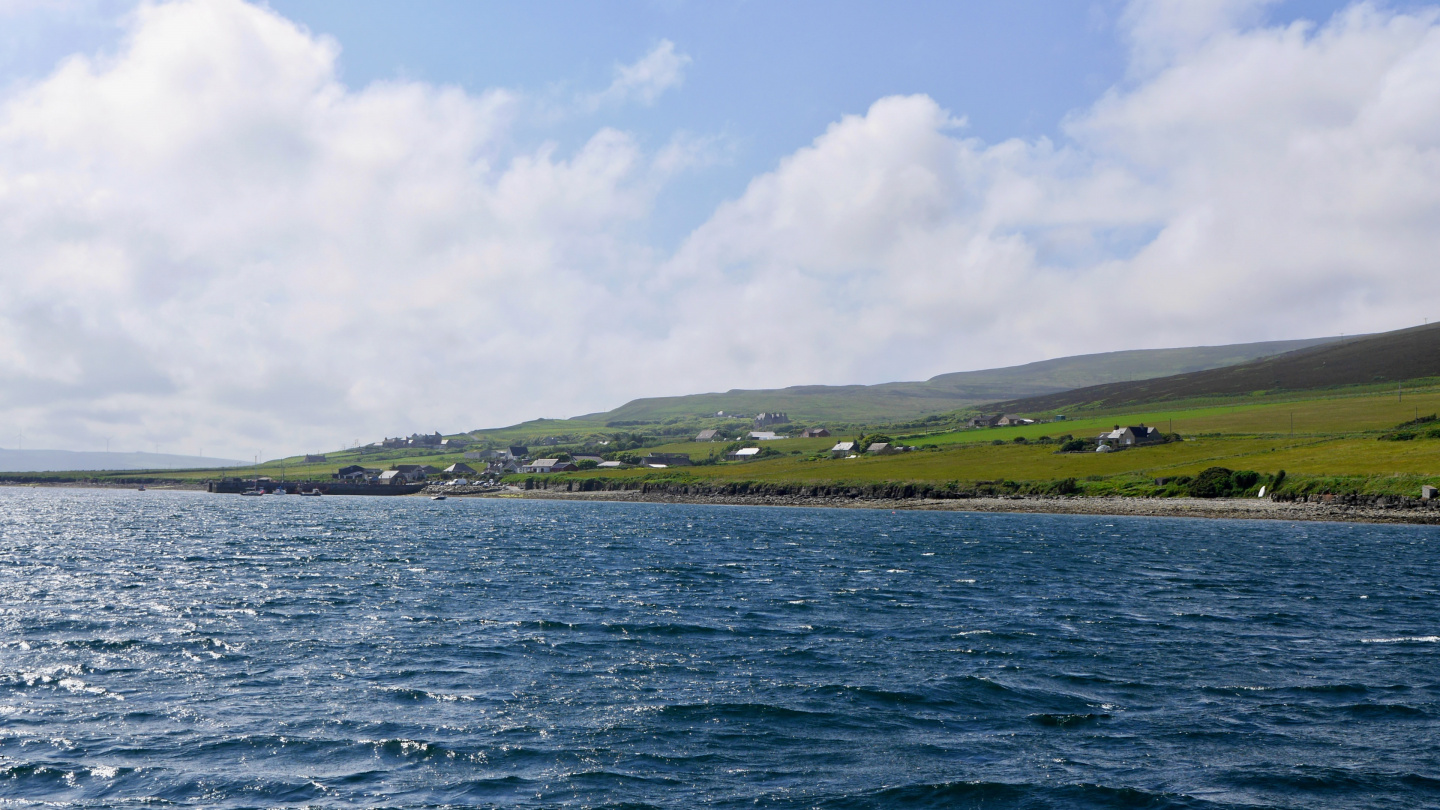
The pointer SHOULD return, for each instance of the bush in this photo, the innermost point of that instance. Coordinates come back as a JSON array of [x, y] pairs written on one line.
[[1213, 482], [998, 442], [587, 464], [1074, 446], [1021, 440], [1219, 482]]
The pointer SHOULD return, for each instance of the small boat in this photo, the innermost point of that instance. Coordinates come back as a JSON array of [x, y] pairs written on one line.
[[314, 493], [437, 497], [255, 491], [141, 488]]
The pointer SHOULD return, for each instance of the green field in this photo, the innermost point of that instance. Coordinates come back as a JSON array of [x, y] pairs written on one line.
[[1328, 439]]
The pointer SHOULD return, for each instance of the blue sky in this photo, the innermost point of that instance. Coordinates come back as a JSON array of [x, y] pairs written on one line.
[[291, 226], [765, 79]]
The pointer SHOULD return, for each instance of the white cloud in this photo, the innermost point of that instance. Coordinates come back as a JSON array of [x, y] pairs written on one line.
[[206, 239], [644, 81]]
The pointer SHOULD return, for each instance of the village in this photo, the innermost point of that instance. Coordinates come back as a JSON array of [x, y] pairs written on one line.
[[488, 465]]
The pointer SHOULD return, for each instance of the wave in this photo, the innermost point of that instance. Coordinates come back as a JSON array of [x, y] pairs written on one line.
[[1000, 795]]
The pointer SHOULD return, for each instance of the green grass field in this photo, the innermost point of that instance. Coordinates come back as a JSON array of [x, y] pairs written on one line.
[[1334, 436]]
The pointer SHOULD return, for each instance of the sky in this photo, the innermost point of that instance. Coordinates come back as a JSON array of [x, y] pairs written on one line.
[[261, 229]]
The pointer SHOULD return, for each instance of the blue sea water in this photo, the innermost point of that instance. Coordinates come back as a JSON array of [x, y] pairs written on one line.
[[185, 649]]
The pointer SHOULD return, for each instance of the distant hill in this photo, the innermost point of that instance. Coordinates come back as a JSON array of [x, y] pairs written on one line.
[[947, 392], [1405, 354], [65, 460]]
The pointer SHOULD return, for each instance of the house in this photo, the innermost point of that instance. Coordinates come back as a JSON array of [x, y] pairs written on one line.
[[476, 455], [743, 454], [765, 436], [354, 472], [666, 459], [407, 473], [609, 465], [814, 433], [454, 444], [761, 420], [982, 421], [1130, 436], [709, 436], [1010, 420], [548, 465], [459, 468], [842, 449], [586, 457], [518, 451], [506, 467], [882, 449]]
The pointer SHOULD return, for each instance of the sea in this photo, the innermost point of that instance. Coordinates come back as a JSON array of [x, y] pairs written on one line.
[[181, 649]]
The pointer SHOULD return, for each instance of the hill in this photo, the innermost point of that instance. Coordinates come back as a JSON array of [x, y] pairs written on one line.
[[66, 460], [1405, 354], [947, 392]]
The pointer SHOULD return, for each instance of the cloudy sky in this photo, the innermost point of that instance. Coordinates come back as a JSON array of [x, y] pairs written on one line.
[[245, 227]]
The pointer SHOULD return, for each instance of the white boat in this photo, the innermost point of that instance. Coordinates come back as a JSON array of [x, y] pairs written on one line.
[[437, 497], [255, 491], [314, 493]]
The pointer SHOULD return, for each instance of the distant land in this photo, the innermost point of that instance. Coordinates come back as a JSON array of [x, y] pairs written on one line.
[[1388, 357], [66, 460], [949, 392]]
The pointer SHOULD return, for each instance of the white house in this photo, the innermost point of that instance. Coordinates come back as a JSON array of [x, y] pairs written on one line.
[[842, 449]]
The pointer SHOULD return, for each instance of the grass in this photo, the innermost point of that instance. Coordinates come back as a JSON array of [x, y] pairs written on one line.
[[1334, 444]]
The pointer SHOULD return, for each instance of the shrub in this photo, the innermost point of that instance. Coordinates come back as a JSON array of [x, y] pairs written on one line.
[[587, 464], [1021, 440], [998, 442], [1213, 482], [1244, 479], [1074, 446]]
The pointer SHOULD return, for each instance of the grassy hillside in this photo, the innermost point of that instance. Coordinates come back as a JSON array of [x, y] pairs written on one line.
[[1327, 441], [947, 392], [1335, 444], [1387, 358]]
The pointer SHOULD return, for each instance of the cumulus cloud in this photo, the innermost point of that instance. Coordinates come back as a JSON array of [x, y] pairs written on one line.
[[644, 81], [209, 240]]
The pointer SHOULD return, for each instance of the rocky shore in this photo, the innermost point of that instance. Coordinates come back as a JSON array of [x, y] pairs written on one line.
[[1359, 510]]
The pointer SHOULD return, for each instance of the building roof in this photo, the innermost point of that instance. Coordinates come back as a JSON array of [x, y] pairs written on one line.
[[879, 447], [544, 462], [845, 446], [706, 435], [611, 464], [746, 451]]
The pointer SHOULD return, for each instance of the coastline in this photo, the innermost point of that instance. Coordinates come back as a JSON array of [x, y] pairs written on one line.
[[1210, 509], [1213, 509]]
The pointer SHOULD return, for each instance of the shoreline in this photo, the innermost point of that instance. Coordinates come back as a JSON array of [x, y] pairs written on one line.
[[1216, 509], [1210, 509]]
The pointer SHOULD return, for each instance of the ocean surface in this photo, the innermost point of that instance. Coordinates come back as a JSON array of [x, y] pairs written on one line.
[[163, 649]]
